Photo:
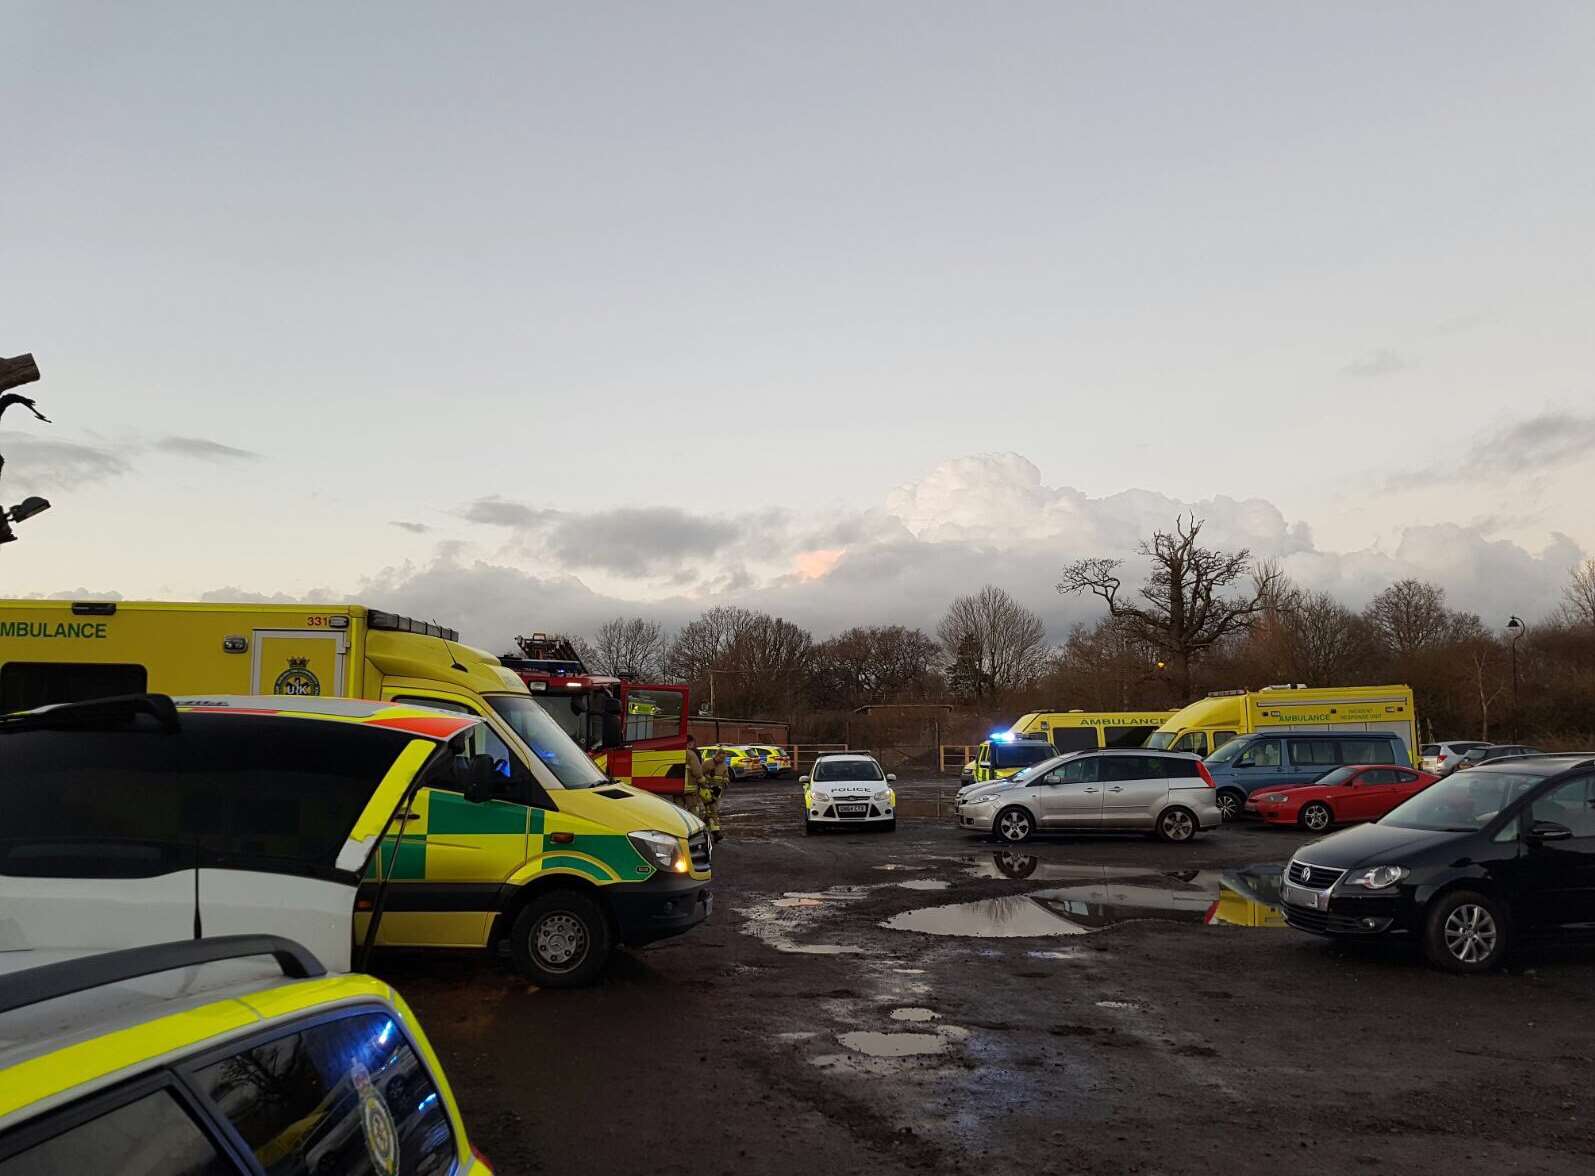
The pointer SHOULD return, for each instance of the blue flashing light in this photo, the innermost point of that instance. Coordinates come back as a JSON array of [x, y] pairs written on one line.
[[1001, 736], [387, 1032], [426, 1103]]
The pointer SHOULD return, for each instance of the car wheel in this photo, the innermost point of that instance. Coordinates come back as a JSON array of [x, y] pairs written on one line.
[[1176, 825], [1230, 803], [1013, 825], [1315, 817], [561, 940], [809, 827], [1465, 931]]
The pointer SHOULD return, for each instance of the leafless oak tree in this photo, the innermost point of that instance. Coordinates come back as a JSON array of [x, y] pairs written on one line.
[[1580, 594], [1183, 610], [629, 645], [995, 643]]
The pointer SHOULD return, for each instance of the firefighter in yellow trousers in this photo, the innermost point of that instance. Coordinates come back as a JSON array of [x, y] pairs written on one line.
[[716, 775]]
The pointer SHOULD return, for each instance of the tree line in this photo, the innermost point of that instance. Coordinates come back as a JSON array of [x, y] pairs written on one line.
[[1188, 620]]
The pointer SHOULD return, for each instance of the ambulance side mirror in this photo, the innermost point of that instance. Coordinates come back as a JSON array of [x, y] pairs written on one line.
[[481, 778]]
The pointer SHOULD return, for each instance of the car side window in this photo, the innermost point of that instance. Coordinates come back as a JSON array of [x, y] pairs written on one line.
[[1193, 741], [1129, 767], [1076, 771], [1322, 753], [1220, 738], [346, 1097], [1377, 776], [1572, 806], [145, 1137], [1265, 753]]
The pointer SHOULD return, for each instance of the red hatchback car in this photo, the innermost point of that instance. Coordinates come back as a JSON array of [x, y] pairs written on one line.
[[1356, 792]]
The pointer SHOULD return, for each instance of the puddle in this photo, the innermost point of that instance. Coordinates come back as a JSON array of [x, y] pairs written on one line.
[[1052, 955], [1128, 1005], [798, 902], [992, 918], [777, 922], [899, 866], [925, 884], [914, 1014], [1104, 896], [894, 1045], [801, 1036], [909, 971]]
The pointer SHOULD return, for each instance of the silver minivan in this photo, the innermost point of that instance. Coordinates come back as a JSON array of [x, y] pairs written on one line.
[[1168, 793]]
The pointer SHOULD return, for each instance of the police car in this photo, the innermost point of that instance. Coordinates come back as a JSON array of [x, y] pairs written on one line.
[[237, 1054], [848, 788]]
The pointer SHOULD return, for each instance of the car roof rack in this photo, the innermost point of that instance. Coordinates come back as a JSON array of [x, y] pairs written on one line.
[[96, 715], [34, 985]]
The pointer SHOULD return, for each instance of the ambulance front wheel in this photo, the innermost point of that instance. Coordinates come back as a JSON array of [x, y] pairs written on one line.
[[562, 939]]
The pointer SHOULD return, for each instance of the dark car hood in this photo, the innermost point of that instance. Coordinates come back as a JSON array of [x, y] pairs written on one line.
[[1368, 845]]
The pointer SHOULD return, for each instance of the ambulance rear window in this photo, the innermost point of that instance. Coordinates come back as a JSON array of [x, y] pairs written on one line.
[[25, 685]]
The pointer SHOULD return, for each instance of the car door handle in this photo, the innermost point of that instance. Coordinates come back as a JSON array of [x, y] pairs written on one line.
[[1115, 788], [409, 816], [1091, 789]]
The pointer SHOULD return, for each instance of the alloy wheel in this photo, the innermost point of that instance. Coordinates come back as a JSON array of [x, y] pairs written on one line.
[[1014, 826], [1470, 933], [1228, 807], [1178, 826], [560, 942], [1316, 818]]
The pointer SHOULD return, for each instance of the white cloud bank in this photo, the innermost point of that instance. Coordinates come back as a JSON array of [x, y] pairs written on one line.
[[971, 520]]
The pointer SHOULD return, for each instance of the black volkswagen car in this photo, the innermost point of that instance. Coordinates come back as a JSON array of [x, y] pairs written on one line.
[[1467, 865]]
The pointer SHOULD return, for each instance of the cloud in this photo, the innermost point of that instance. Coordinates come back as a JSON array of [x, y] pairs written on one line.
[[501, 512], [1383, 362], [203, 449], [1547, 439], [412, 528], [38, 463]]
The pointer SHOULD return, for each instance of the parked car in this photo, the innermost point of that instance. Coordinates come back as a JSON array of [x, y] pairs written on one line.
[[776, 761], [1357, 792], [1253, 763], [1468, 866], [1491, 752], [742, 763], [1164, 792], [967, 776], [1442, 758], [230, 1054], [848, 789]]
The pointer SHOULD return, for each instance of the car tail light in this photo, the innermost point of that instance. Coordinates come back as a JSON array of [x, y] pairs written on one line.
[[1207, 777]]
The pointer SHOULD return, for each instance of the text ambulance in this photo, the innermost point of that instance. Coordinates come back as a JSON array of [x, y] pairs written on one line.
[[1209, 723]]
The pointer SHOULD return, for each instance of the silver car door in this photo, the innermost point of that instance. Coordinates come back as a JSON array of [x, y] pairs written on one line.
[[1133, 789], [1069, 795]]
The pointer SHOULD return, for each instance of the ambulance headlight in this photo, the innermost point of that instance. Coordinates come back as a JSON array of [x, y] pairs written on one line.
[[662, 850]]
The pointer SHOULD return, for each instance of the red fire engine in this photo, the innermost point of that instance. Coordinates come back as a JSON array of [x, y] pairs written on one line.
[[635, 732]]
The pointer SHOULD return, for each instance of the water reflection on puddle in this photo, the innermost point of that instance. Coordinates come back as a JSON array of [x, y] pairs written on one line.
[[925, 884], [1103, 896]]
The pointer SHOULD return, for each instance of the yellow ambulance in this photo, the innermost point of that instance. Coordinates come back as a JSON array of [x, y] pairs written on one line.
[[1080, 730], [1209, 723], [561, 865]]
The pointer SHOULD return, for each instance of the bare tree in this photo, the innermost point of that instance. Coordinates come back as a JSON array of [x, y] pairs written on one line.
[[1580, 594], [742, 660], [876, 663], [1184, 612], [993, 641], [1480, 656], [1411, 616], [629, 645]]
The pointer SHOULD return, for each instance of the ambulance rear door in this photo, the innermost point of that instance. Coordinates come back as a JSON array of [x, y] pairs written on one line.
[[300, 662]]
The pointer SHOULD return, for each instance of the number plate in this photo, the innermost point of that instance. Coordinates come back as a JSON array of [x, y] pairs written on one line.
[[852, 810], [1311, 899]]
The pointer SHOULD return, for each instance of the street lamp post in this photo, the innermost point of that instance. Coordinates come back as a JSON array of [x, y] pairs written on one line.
[[1515, 628]]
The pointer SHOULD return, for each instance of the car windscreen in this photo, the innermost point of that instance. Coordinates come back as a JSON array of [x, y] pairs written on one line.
[[1463, 802], [236, 791], [547, 740], [846, 771], [1229, 752], [1161, 740], [1021, 753]]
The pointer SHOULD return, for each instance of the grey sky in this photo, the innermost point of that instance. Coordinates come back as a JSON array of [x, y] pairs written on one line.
[[731, 280]]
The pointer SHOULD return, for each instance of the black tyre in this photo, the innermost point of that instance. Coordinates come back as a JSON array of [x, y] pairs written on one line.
[[1231, 803], [1315, 817], [1177, 824], [809, 827], [1465, 931], [562, 939], [1013, 825]]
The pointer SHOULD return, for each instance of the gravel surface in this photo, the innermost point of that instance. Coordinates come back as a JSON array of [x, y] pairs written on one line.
[[921, 999]]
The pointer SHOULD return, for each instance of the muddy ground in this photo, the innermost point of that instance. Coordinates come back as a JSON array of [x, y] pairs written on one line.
[[1116, 1014]]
